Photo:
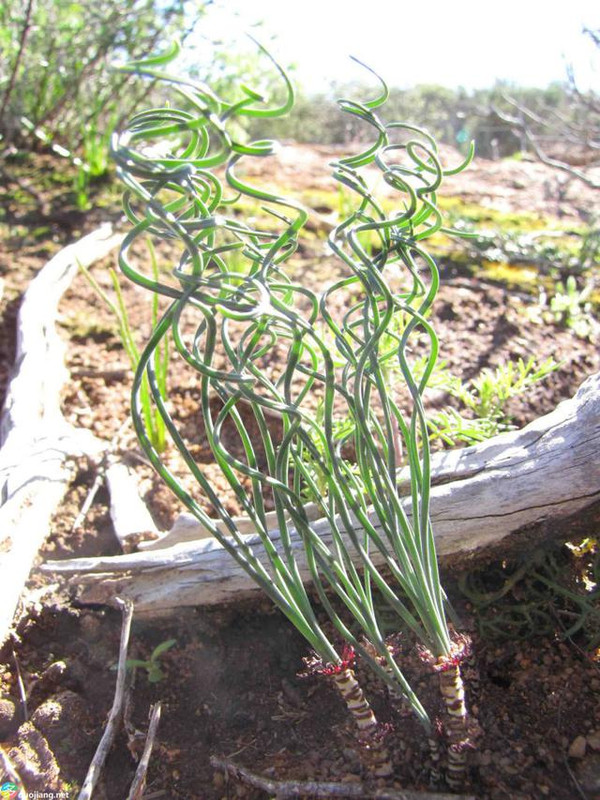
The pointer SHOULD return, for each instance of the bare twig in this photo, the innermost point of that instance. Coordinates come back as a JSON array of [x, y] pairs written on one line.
[[21, 685], [520, 124], [574, 780], [100, 476], [139, 782], [570, 772], [105, 374], [128, 725], [11, 83], [8, 769], [115, 713], [326, 789]]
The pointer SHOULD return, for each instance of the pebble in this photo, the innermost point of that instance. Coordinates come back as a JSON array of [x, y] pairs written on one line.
[[53, 673], [577, 747], [350, 755], [34, 760], [8, 718], [593, 740], [588, 774], [91, 626], [218, 780]]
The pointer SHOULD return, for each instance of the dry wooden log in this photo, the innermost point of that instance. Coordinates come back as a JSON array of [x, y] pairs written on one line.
[[548, 471], [187, 528], [37, 444]]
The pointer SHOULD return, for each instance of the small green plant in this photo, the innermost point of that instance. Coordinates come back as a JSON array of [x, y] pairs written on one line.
[[94, 161], [570, 306], [57, 88], [487, 396], [153, 667], [484, 399], [589, 253], [153, 420], [549, 591]]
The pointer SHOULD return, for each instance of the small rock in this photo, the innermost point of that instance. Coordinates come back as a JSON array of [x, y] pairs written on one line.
[[292, 694], [593, 740], [63, 720], [34, 760], [8, 718], [218, 780], [350, 755], [577, 747], [54, 672], [588, 774], [91, 627]]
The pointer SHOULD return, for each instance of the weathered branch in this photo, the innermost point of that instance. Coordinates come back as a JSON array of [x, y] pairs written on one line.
[[128, 512], [505, 487], [37, 444], [108, 737], [327, 789], [139, 781], [16, 64], [521, 125], [8, 768]]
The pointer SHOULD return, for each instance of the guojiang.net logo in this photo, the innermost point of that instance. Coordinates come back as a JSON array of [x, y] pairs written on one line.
[[12, 791]]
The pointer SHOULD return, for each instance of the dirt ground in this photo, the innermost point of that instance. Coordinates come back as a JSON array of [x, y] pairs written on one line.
[[230, 685]]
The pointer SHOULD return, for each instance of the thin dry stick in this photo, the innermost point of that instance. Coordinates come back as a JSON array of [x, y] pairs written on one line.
[[100, 476], [8, 768], [115, 713], [128, 725], [23, 39], [107, 374], [21, 686], [283, 789], [139, 782]]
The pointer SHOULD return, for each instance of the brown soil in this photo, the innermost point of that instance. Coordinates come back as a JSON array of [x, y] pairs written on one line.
[[231, 685]]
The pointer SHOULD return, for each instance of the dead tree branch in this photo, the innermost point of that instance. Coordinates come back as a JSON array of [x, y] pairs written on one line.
[[139, 782], [522, 123], [284, 789], [114, 717]]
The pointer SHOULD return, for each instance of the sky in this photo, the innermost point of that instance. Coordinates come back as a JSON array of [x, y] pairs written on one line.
[[467, 43]]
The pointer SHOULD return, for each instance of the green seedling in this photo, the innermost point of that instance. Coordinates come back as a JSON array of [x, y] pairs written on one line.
[[570, 306], [153, 667], [486, 397], [153, 421]]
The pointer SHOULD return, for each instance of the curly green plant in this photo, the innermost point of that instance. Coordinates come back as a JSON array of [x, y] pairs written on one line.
[[180, 200], [399, 282], [231, 325]]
